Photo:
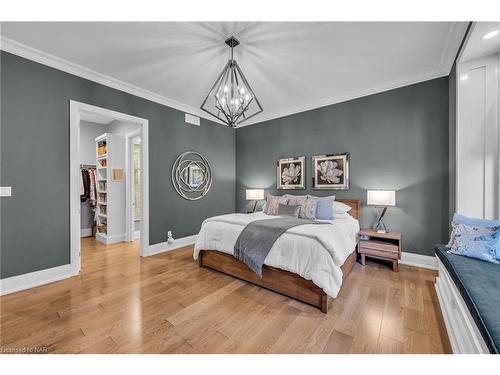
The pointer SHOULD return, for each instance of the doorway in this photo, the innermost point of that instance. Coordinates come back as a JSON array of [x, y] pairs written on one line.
[[133, 196], [113, 178]]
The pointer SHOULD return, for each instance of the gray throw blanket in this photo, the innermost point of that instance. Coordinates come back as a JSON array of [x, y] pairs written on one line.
[[258, 237]]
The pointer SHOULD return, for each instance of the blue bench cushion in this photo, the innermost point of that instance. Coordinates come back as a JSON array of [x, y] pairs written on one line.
[[479, 284]]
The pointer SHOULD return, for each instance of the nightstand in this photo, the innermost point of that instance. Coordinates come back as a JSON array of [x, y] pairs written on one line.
[[385, 246]]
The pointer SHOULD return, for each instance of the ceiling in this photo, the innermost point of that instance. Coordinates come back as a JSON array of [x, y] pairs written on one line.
[[96, 118], [477, 46], [291, 66]]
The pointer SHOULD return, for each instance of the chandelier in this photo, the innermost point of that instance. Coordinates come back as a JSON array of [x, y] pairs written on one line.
[[231, 98]]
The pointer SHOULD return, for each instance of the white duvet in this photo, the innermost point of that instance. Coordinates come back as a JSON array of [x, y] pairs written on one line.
[[315, 252]]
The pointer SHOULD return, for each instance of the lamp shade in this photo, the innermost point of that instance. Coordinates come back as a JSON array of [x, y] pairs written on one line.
[[381, 197], [255, 194]]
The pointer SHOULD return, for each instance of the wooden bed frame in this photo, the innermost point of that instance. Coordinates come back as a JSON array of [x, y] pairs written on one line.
[[275, 279]]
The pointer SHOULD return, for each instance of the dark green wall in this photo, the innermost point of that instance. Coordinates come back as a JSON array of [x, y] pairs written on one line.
[[35, 161], [397, 139]]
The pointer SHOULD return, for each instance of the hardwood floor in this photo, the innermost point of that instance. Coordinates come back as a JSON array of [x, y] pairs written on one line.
[[121, 303]]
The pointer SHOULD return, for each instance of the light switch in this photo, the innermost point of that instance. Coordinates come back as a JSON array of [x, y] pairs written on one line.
[[5, 191]]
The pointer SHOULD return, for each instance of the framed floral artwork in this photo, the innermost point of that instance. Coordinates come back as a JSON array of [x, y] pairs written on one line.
[[291, 173], [331, 172]]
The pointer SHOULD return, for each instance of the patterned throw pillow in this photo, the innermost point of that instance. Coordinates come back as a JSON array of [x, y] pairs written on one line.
[[480, 246], [307, 205], [475, 238], [273, 202], [310, 207]]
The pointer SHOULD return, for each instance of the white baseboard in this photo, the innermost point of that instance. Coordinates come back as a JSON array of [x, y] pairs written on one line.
[[137, 234], [85, 232], [417, 260], [165, 246], [108, 240], [33, 279]]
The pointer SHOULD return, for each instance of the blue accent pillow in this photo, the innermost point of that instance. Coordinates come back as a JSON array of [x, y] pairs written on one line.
[[324, 208], [481, 246], [481, 223], [477, 233]]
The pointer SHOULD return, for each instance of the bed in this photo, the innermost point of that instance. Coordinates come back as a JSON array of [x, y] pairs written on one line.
[[308, 268]]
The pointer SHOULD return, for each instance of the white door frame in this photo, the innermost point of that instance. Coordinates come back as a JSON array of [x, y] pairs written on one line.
[[74, 124], [130, 184]]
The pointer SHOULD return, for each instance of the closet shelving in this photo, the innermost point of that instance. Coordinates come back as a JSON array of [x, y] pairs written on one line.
[[110, 151]]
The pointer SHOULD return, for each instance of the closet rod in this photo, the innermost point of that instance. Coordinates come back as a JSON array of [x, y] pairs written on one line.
[[87, 166]]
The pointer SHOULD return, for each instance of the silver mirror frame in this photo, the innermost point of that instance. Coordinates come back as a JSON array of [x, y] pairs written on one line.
[[185, 190]]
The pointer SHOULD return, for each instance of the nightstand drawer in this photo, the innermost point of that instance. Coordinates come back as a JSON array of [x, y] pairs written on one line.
[[378, 253], [379, 246]]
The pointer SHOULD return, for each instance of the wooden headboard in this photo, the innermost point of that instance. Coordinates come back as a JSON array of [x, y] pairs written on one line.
[[355, 205]]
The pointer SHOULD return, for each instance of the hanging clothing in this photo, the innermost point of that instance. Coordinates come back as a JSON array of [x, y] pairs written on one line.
[[93, 187], [86, 185], [82, 188]]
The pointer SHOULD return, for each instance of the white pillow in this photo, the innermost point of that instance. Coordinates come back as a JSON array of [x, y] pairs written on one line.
[[345, 215], [340, 208]]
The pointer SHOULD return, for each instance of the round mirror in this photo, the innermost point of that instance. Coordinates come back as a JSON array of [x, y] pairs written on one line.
[[191, 175]]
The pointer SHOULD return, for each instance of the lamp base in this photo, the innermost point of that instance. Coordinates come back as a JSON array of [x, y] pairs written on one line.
[[380, 225], [254, 208]]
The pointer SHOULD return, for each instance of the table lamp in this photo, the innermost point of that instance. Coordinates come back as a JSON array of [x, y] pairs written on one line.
[[254, 195], [381, 198]]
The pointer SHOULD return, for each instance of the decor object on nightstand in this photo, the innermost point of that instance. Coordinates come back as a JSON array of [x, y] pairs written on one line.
[[254, 195], [385, 246], [381, 198]]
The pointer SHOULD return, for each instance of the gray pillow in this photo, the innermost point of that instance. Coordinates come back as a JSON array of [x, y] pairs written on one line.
[[298, 200], [288, 210]]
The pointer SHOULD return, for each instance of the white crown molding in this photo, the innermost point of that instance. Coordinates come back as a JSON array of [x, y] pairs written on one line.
[[417, 260], [356, 94], [456, 33], [453, 38], [33, 54], [33, 279]]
